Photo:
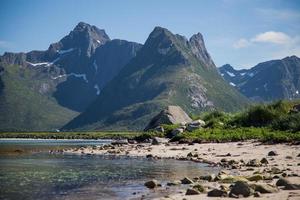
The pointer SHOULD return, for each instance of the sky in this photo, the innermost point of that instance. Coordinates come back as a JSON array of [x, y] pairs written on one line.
[[242, 33]]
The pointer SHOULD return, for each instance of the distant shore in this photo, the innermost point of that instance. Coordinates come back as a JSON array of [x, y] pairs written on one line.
[[234, 157]]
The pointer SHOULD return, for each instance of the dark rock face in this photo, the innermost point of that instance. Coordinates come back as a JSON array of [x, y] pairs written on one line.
[[267, 81]]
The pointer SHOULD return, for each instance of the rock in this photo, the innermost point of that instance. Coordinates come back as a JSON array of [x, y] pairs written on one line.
[[257, 194], [264, 161], [275, 170], [256, 177], [152, 184], [198, 122], [272, 153], [170, 115], [289, 157], [224, 178], [282, 182], [186, 180], [176, 132], [209, 178], [173, 183], [190, 191], [287, 184], [120, 142], [199, 188], [149, 156], [241, 188], [158, 140], [195, 125], [253, 163], [264, 188], [159, 129], [191, 154], [217, 193]]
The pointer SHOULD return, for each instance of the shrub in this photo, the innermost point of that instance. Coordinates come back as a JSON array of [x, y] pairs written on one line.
[[289, 122]]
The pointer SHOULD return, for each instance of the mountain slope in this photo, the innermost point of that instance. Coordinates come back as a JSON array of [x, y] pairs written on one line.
[[42, 90], [88, 59], [24, 107], [267, 81], [168, 70]]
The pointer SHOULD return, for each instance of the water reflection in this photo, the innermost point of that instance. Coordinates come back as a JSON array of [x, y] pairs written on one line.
[[60, 176]]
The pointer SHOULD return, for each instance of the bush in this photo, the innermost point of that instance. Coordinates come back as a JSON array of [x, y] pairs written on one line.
[[289, 122], [262, 115]]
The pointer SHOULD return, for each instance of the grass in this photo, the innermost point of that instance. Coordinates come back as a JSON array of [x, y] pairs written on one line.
[[72, 135], [239, 134]]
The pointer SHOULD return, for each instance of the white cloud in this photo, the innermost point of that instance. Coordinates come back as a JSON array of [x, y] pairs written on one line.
[[272, 37], [241, 43]]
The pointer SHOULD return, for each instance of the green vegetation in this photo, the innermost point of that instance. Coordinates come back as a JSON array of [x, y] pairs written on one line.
[[238, 134], [25, 103], [265, 122], [71, 135]]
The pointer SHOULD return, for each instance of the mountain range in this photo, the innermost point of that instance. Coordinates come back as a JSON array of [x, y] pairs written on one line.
[[267, 81], [168, 70], [87, 81]]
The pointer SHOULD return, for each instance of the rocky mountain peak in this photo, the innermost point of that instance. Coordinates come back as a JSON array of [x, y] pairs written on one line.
[[199, 49], [84, 37]]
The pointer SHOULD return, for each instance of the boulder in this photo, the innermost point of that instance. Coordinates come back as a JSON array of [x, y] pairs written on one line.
[[217, 193], [199, 188], [287, 184], [254, 163], [176, 132], [152, 184], [158, 140], [241, 188], [119, 142], [209, 178], [173, 183], [191, 191], [186, 180], [159, 129], [170, 115], [256, 177], [264, 161], [195, 125], [264, 188], [272, 153]]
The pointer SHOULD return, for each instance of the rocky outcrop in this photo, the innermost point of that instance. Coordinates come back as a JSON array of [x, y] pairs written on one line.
[[171, 115]]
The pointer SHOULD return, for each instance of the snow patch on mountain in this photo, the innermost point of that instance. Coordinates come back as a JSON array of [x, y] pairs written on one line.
[[231, 83], [97, 89], [230, 74], [65, 51], [38, 64], [95, 66]]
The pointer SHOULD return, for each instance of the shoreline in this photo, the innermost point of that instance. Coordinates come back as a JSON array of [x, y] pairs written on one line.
[[228, 156]]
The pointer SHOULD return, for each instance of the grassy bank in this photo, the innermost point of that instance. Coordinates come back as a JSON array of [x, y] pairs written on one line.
[[71, 135], [239, 134]]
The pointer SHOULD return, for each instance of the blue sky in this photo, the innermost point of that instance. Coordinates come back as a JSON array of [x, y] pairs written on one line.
[[240, 32]]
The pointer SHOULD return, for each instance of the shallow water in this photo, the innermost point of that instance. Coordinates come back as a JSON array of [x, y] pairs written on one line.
[[40, 175]]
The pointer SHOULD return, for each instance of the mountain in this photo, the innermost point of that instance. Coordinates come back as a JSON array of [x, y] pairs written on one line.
[[168, 70], [267, 81], [65, 78]]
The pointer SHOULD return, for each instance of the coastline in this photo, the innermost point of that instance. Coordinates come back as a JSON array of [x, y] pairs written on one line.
[[232, 157]]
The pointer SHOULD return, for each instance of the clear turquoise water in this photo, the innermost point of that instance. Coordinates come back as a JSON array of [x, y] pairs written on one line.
[[40, 175]]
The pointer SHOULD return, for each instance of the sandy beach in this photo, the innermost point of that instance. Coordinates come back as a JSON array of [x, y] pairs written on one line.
[[236, 159]]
